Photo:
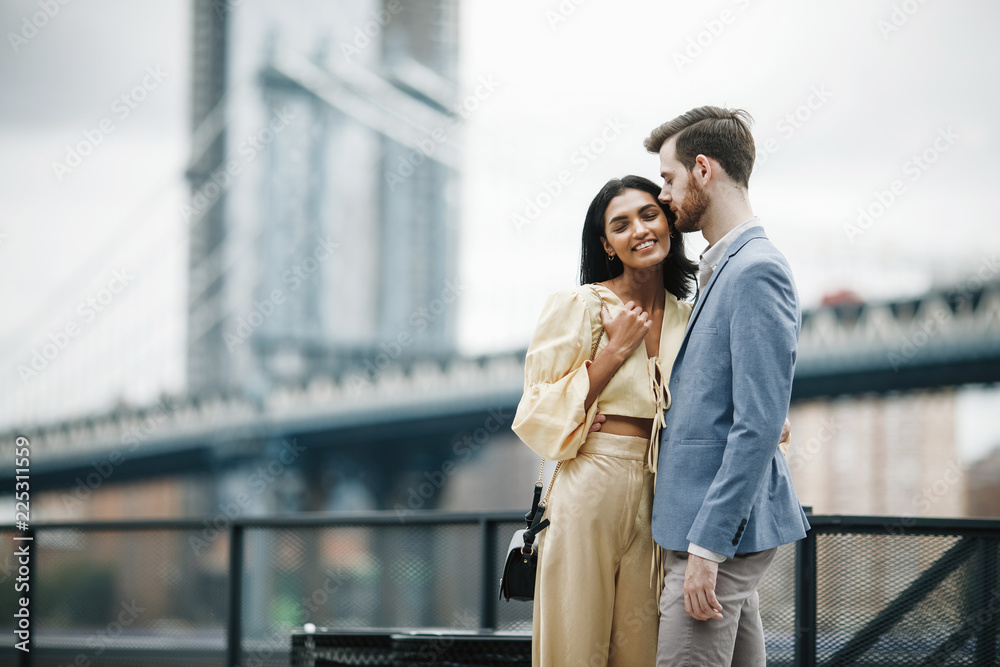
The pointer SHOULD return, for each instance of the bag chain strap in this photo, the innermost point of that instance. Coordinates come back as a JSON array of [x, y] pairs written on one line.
[[555, 473]]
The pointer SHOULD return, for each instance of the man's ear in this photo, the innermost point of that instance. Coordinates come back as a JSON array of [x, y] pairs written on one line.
[[704, 168]]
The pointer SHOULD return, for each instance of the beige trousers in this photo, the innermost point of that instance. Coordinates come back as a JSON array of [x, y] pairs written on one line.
[[594, 605], [738, 639]]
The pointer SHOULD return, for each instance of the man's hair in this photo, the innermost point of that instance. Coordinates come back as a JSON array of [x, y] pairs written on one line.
[[721, 134]]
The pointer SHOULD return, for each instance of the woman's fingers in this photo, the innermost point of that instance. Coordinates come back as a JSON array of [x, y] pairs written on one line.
[[629, 327]]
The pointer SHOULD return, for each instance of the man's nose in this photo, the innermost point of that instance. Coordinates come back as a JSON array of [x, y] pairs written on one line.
[[664, 195]]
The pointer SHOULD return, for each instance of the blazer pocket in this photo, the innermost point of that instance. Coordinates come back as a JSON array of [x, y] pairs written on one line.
[[703, 443], [708, 331]]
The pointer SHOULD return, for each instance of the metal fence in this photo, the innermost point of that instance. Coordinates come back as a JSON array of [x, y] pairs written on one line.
[[857, 591]]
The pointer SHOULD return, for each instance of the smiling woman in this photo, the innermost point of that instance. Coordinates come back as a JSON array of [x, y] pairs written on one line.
[[605, 347]]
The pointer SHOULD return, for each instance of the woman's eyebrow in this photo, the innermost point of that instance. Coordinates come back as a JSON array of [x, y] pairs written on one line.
[[640, 212]]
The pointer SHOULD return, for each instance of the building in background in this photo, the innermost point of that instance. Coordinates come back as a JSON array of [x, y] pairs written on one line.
[[321, 365], [983, 488], [893, 455], [323, 172]]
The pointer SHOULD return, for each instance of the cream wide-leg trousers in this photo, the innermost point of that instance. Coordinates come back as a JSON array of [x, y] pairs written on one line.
[[594, 605]]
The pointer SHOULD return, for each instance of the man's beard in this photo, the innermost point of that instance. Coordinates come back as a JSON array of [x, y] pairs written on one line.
[[692, 208]]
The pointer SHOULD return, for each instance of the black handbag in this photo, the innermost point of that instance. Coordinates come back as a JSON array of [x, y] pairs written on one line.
[[518, 579]]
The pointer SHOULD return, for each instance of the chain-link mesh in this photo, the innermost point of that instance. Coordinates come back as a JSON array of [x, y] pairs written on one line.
[[387, 576], [777, 607], [158, 596], [149, 597], [891, 599], [513, 615]]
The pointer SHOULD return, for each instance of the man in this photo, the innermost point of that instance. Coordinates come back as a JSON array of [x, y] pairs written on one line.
[[724, 499]]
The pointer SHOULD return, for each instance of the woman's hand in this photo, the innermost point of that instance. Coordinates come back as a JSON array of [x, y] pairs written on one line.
[[625, 333], [627, 330]]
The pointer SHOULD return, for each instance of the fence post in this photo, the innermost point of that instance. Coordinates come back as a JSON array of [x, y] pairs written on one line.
[[487, 603], [984, 590], [234, 639], [805, 599]]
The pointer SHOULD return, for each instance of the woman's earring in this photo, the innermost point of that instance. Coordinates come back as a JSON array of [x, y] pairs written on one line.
[[611, 258]]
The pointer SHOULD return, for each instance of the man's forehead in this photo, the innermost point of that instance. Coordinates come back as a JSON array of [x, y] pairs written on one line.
[[667, 153]]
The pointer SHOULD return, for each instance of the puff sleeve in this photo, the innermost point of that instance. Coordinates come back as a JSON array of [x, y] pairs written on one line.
[[550, 416]]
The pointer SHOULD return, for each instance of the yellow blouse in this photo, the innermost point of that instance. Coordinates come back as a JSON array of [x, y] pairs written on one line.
[[550, 418]]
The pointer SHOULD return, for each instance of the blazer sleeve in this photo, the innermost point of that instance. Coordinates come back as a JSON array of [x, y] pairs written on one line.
[[550, 417], [764, 330]]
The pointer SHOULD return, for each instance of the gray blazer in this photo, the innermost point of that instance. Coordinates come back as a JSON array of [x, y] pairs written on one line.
[[721, 481]]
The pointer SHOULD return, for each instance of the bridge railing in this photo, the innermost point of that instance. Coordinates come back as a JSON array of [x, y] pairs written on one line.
[[858, 590]]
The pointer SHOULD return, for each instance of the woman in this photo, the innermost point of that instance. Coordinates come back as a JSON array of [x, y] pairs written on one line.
[[595, 602]]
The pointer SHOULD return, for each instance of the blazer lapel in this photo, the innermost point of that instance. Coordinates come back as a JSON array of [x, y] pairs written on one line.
[[741, 240]]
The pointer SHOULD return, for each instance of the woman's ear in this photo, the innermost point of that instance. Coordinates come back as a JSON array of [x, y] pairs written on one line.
[[608, 250]]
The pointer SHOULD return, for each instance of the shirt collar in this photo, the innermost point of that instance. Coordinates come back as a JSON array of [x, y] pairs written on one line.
[[713, 254]]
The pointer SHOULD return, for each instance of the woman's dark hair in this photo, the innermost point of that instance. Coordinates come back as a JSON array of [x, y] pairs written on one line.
[[678, 271]]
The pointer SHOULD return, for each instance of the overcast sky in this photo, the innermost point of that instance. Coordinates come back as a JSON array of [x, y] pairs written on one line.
[[844, 95]]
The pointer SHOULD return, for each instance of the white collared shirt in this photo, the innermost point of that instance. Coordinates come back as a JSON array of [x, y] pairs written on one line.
[[714, 253]]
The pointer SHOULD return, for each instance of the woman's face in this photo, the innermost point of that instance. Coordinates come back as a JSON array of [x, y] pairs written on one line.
[[636, 229]]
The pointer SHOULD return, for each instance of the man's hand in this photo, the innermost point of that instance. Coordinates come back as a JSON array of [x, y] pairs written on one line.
[[786, 437], [598, 420], [699, 589]]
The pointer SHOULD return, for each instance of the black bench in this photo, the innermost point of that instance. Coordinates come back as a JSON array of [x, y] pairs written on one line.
[[405, 647]]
